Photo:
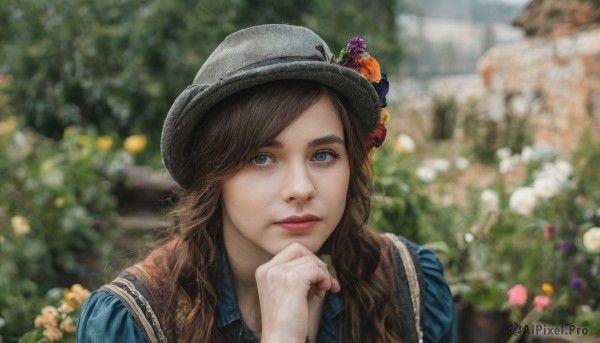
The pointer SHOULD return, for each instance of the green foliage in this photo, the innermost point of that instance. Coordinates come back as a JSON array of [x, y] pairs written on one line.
[[487, 136], [445, 111], [57, 320], [55, 208], [117, 65], [399, 203], [505, 247]]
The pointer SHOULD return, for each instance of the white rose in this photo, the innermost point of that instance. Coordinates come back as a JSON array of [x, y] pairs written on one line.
[[519, 105], [404, 144], [506, 165], [523, 200], [591, 240], [438, 164], [469, 237], [503, 153], [426, 174], [461, 163], [564, 168], [526, 154], [489, 201], [545, 187]]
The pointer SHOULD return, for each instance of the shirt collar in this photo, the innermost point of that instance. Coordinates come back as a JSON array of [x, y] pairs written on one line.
[[227, 308]]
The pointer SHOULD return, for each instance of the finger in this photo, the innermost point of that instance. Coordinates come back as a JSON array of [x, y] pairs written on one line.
[[331, 283], [291, 252], [305, 260]]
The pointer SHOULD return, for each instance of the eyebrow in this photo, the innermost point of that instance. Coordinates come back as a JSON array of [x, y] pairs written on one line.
[[325, 140]]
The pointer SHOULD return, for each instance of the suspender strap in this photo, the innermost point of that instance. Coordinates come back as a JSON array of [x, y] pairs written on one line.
[[408, 274], [135, 298]]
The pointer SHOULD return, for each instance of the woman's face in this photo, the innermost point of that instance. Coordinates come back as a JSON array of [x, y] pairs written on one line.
[[293, 190]]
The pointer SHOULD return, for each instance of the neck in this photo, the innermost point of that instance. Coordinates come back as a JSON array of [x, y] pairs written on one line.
[[243, 263]]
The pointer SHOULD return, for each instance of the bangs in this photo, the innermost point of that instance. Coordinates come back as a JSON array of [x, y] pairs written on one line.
[[237, 127]]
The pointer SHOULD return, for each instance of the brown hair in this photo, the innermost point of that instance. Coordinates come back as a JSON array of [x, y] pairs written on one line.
[[233, 131]]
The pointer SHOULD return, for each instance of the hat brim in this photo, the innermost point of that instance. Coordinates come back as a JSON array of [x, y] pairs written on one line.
[[191, 106]]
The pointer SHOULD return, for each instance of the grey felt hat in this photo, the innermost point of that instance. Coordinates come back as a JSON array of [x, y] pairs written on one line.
[[248, 58]]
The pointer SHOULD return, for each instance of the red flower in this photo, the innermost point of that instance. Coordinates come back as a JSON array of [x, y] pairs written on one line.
[[376, 137]]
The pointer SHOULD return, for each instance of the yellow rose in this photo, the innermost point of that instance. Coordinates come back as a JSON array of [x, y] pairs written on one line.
[[48, 318], [69, 131], [8, 126], [404, 144], [65, 307], [20, 225], [135, 144], [83, 140], [77, 294], [59, 202], [104, 143], [53, 334], [67, 325]]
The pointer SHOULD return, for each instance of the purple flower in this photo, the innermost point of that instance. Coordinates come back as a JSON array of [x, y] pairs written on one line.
[[564, 245], [576, 284], [352, 53], [382, 88], [356, 47]]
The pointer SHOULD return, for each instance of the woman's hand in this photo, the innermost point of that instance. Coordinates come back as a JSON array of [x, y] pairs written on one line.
[[289, 287]]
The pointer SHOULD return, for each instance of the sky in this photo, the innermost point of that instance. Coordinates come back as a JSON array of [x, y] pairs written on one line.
[[516, 2]]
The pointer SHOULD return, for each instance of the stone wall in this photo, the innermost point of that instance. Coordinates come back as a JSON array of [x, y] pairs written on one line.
[[554, 80], [558, 18]]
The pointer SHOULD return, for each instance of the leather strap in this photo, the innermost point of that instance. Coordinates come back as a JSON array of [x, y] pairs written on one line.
[[412, 271]]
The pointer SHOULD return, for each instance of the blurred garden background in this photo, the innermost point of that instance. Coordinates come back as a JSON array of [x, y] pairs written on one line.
[[492, 158]]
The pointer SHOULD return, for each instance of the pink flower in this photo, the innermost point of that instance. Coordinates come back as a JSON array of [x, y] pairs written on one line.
[[517, 295], [541, 302]]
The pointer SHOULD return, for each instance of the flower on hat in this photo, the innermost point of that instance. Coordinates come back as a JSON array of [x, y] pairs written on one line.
[[382, 87], [369, 68], [356, 57], [377, 136], [350, 55]]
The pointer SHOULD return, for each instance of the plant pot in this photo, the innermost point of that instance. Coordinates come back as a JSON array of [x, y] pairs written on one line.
[[482, 325]]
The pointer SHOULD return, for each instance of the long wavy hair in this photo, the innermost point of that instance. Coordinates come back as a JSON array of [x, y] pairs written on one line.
[[229, 136]]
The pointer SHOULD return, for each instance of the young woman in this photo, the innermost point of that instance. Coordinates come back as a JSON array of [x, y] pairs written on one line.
[[271, 146]]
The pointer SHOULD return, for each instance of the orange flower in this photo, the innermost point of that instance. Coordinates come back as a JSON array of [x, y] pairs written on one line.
[[369, 68], [548, 289]]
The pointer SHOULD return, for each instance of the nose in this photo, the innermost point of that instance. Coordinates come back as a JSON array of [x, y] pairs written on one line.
[[298, 185]]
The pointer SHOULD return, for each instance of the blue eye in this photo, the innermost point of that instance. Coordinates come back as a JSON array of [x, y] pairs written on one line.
[[323, 156], [262, 159]]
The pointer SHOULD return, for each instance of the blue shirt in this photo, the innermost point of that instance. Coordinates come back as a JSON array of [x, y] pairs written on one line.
[[105, 319]]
